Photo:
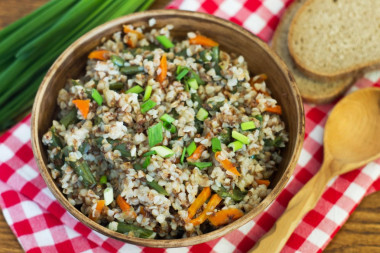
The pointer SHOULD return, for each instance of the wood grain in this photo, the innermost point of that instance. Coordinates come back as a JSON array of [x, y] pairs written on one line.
[[361, 233]]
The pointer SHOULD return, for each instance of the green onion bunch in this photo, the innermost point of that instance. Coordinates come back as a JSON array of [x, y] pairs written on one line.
[[30, 45]]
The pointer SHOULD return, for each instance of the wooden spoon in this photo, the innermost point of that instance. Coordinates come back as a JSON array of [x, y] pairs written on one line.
[[351, 140]]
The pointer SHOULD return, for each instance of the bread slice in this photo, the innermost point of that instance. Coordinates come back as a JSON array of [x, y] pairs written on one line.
[[329, 39], [311, 90]]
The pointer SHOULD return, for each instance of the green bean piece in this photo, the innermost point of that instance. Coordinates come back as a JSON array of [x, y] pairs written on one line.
[[146, 162], [66, 150], [138, 166], [195, 98], [116, 86], [215, 59], [83, 170], [69, 118], [236, 194], [125, 228], [197, 77], [132, 70], [226, 136], [123, 150], [117, 60], [154, 185], [85, 147], [56, 141]]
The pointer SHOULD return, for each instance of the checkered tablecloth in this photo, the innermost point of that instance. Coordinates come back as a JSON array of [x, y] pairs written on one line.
[[41, 224]]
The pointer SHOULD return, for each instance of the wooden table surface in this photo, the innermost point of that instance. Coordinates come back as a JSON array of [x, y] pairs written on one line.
[[361, 233]]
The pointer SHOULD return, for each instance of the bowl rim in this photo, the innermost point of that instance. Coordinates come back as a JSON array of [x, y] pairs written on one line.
[[166, 243]]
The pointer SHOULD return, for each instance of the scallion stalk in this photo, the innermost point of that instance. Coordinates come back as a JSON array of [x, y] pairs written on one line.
[[149, 104], [135, 89], [155, 134], [165, 41]]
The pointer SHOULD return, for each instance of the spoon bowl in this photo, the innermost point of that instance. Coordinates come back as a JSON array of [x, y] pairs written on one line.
[[351, 140], [352, 131]]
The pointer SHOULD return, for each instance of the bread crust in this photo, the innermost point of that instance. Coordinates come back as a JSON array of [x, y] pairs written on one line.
[[312, 91], [354, 70]]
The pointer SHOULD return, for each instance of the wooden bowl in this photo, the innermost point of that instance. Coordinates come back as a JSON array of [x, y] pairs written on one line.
[[232, 38]]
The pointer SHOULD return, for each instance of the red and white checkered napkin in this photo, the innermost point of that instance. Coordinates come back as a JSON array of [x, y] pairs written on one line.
[[41, 224]]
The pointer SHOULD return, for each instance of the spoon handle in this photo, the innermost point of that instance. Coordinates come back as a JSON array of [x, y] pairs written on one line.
[[299, 205]]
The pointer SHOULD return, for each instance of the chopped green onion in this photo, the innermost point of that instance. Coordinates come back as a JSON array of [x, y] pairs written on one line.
[[146, 162], [165, 41], [202, 165], [163, 151], [135, 89], [252, 157], [154, 185], [103, 179], [202, 114], [192, 82], [236, 145], [147, 106], [183, 155], [69, 118], [191, 148], [170, 127], [248, 125], [155, 134], [179, 69], [216, 145], [148, 92], [183, 72], [167, 118], [96, 96], [108, 195], [149, 153], [259, 117], [240, 137], [116, 86], [132, 70], [117, 60], [138, 166]]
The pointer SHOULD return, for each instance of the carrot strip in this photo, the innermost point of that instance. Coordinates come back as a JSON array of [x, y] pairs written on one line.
[[225, 216], [276, 109], [263, 181], [258, 79], [199, 201], [142, 211], [124, 206], [204, 41], [126, 29], [98, 209], [197, 153], [227, 164], [100, 54], [164, 69], [83, 106], [213, 202]]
